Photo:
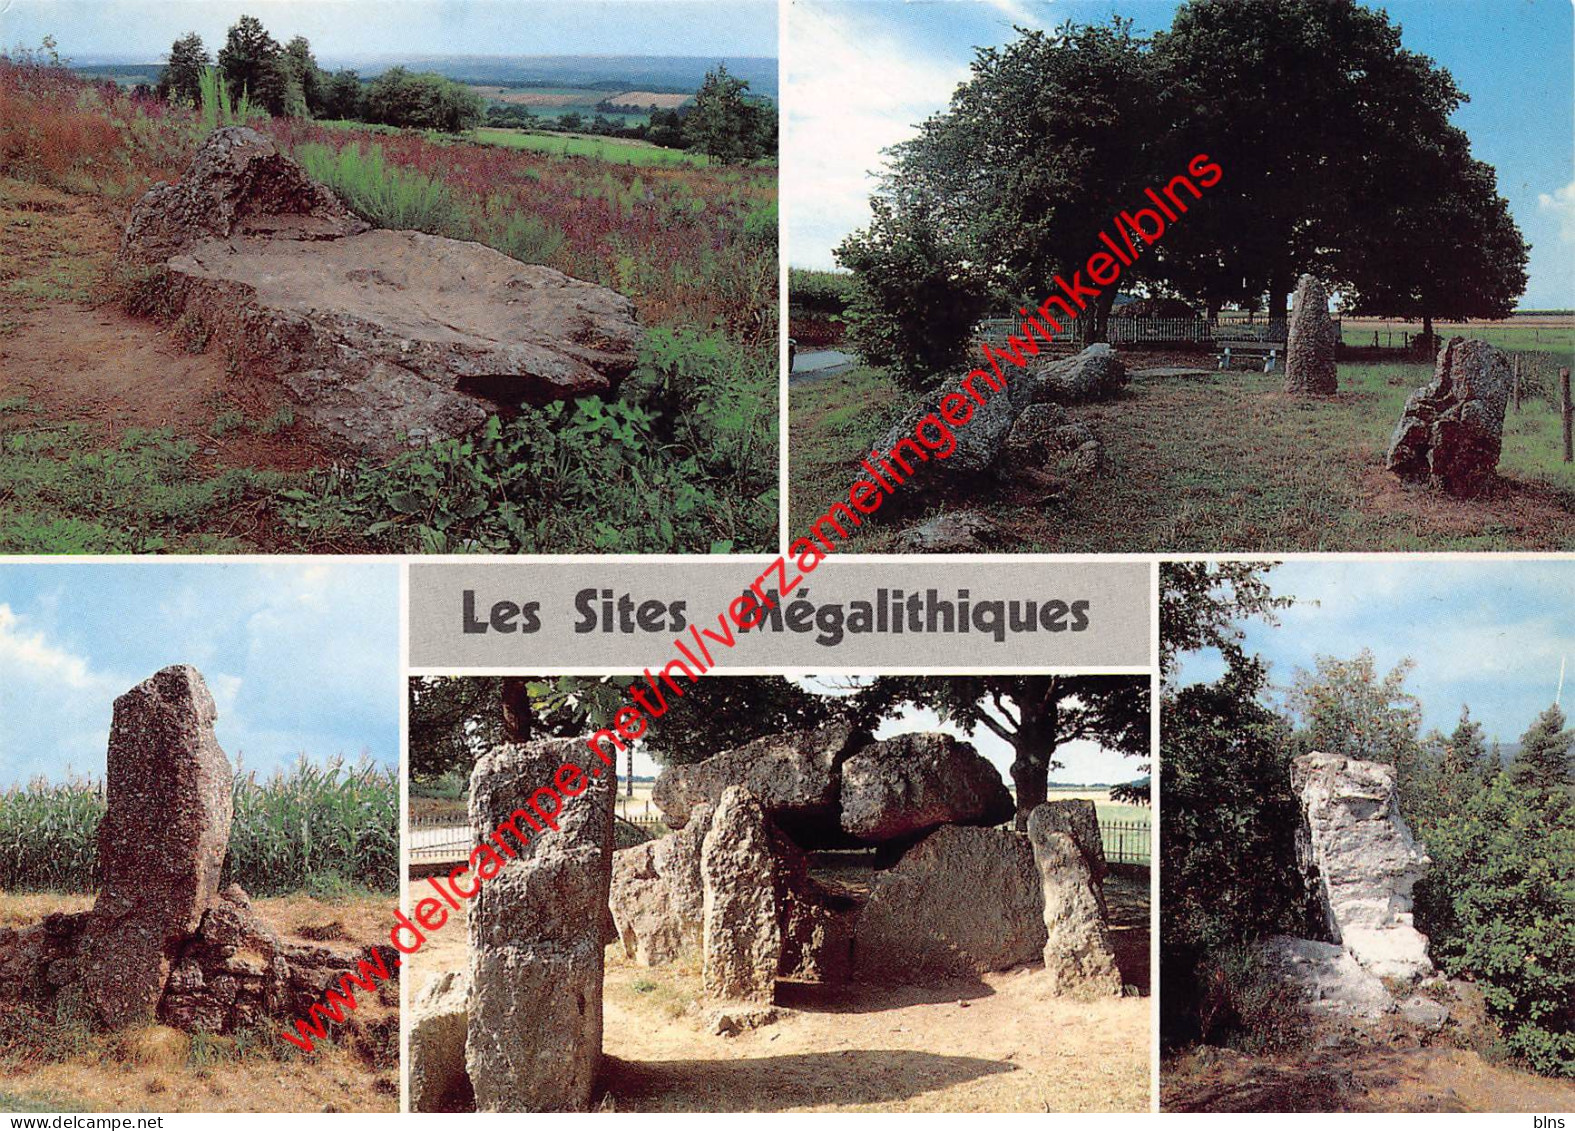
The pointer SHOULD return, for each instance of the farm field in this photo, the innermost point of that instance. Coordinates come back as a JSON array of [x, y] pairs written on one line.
[[1553, 333], [122, 433], [1219, 463]]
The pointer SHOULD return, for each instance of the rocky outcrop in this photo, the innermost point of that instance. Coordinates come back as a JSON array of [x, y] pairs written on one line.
[[536, 937], [1095, 374], [961, 902], [1069, 854], [439, 1020], [1451, 432], [381, 337], [1311, 342], [1361, 861], [906, 786], [658, 895], [1329, 980], [162, 942], [795, 777]]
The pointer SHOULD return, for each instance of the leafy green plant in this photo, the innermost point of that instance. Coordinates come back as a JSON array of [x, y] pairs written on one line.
[[384, 195]]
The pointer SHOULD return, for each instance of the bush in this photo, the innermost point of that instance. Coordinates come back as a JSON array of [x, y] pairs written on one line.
[[1246, 1005], [385, 196]]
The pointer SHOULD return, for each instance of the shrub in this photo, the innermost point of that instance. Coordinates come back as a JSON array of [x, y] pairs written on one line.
[[384, 196], [1246, 1005]]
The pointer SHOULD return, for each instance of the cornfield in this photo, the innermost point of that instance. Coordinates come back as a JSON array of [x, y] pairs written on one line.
[[321, 826]]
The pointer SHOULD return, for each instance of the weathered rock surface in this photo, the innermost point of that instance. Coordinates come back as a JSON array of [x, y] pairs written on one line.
[[1095, 374], [1329, 979], [376, 334], [1044, 432], [1311, 341], [793, 775], [658, 896], [1069, 854], [961, 902], [1361, 861], [536, 937], [161, 842], [957, 532], [980, 439], [907, 785], [1452, 430], [743, 933], [162, 942], [439, 1021]]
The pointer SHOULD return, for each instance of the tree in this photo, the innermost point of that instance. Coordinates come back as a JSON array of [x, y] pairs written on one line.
[[1034, 714], [667, 129], [723, 123], [1200, 603], [343, 96], [252, 63], [1050, 136], [1543, 763], [181, 78], [305, 77], [422, 101], [1320, 120], [915, 300]]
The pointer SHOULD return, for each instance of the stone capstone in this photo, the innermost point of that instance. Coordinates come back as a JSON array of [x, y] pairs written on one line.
[[913, 783], [980, 439], [383, 338], [1311, 342], [961, 902], [1094, 374], [658, 895], [439, 1021], [794, 776], [1452, 429], [1361, 861], [536, 936], [1069, 853]]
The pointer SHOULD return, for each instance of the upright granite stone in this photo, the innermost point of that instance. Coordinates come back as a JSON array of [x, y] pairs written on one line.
[[1069, 854], [743, 931], [1311, 342], [536, 935], [161, 842], [794, 776], [1452, 430], [382, 338], [658, 894], [913, 783], [1361, 862], [961, 902]]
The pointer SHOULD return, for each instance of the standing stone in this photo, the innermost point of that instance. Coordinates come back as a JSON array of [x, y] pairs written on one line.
[[438, 1024], [1311, 342], [658, 896], [536, 935], [1452, 430], [161, 843], [1071, 860], [960, 902], [913, 783], [743, 934], [1361, 862]]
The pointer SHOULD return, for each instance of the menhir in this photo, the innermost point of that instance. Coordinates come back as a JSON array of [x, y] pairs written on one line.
[[163, 942]]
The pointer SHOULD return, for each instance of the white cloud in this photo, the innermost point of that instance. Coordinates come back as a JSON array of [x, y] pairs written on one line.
[[29, 652], [854, 90], [53, 704], [1561, 204]]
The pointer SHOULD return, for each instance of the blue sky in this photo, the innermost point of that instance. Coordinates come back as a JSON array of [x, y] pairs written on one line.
[[1490, 634], [299, 657], [349, 29], [861, 73]]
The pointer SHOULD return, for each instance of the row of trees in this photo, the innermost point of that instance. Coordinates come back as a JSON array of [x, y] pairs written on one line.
[[1338, 155], [451, 720], [287, 81], [1498, 901]]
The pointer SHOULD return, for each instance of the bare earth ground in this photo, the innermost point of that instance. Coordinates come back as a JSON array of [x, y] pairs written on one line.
[[78, 358], [159, 1069], [1361, 1078], [997, 1044]]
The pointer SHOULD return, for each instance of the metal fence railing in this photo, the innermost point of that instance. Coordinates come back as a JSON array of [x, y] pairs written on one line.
[[1127, 842]]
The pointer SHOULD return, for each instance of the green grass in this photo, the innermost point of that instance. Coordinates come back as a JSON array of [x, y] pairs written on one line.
[[620, 151], [1508, 335], [62, 494], [1217, 464], [387, 196]]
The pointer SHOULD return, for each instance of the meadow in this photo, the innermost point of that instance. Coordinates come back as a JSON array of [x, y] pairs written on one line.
[[1219, 462], [684, 460]]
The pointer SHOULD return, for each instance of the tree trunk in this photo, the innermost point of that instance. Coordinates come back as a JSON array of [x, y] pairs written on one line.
[[518, 722], [1095, 323], [1035, 744]]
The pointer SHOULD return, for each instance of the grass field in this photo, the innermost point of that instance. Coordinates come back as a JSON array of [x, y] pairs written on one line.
[[1224, 462], [1553, 333], [613, 150]]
